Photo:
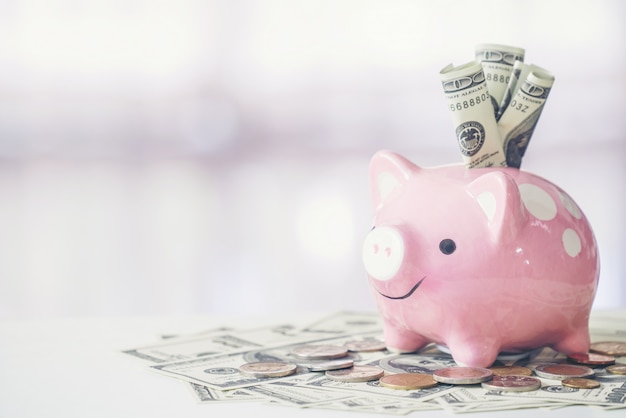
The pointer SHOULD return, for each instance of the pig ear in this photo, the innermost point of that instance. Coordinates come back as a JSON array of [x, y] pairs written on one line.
[[499, 198], [388, 172]]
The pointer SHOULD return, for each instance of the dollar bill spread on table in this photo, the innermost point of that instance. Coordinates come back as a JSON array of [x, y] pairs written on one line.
[[322, 375]]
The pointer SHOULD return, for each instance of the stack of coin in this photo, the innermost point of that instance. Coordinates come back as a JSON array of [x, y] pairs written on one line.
[[562, 371], [356, 374], [322, 357], [462, 375], [265, 369]]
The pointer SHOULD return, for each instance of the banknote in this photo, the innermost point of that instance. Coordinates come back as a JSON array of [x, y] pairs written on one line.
[[220, 341], [497, 62], [373, 388], [289, 393], [519, 74], [519, 120], [205, 394], [379, 405], [222, 371], [214, 376], [212, 343], [473, 118]]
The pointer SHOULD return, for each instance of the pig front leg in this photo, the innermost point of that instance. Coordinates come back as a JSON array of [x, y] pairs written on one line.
[[474, 352], [400, 339]]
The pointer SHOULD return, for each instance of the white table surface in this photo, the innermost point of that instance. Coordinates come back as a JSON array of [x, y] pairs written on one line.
[[75, 368]]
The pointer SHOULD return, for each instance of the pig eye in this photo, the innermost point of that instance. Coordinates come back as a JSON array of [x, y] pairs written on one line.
[[447, 246]]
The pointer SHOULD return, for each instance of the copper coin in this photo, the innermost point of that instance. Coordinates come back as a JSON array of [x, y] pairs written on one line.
[[462, 375], [511, 371], [365, 345], [511, 383], [617, 369], [319, 351], [562, 371], [610, 348], [591, 359], [408, 381], [580, 383], [356, 374], [268, 369]]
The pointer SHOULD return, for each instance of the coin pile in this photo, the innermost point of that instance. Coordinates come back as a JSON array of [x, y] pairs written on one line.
[[332, 359], [340, 362], [495, 102]]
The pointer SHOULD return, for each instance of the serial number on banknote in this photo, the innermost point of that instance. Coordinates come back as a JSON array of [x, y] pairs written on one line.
[[497, 78], [466, 104], [518, 106]]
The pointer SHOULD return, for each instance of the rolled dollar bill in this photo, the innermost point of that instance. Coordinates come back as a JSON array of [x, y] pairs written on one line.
[[520, 72], [473, 117], [497, 61], [519, 120]]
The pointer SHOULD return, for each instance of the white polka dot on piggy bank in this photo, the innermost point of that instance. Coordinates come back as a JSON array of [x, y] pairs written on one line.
[[481, 261]]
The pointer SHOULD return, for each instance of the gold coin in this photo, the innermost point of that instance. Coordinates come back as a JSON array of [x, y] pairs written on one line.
[[610, 348], [617, 369], [580, 383], [408, 381], [510, 371]]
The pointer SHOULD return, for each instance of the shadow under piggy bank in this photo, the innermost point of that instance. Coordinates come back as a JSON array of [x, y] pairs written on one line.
[[480, 261]]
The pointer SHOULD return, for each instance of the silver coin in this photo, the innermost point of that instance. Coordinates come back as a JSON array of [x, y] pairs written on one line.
[[562, 371], [513, 383], [323, 365], [268, 369], [365, 345], [319, 351], [462, 375], [356, 374]]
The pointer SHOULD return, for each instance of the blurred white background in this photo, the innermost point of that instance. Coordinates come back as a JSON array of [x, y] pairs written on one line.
[[196, 156]]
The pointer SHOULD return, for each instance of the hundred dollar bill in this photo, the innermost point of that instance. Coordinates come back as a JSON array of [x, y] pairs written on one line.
[[519, 74], [497, 61], [222, 371], [520, 118], [473, 116]]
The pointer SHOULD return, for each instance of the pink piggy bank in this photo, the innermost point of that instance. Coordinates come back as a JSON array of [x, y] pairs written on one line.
[[481, 261]]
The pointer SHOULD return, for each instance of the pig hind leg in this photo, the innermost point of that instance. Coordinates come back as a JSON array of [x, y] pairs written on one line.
[[576, 342]]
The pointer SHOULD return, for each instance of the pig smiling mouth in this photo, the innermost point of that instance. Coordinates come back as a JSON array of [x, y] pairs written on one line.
[[410, 292]]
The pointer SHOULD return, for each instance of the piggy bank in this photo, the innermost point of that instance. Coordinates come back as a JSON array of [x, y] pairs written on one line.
[[481, 261]]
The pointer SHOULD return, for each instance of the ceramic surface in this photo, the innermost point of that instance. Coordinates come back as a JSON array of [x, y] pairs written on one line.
[[482, 261]]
